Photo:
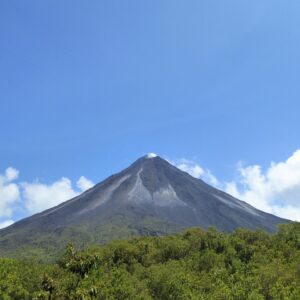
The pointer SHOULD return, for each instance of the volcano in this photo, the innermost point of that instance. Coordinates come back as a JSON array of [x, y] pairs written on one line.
[[150, 197]]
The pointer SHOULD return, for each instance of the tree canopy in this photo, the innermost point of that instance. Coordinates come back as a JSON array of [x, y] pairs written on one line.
[[196, 264]]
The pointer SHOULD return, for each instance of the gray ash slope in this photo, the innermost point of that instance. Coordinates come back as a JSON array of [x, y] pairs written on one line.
[[151, 197]]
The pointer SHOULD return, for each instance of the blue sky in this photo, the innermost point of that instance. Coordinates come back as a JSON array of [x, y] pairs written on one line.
[[86, 87]]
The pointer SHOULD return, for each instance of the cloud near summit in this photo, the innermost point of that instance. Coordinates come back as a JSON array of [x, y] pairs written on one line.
[[196, 170]]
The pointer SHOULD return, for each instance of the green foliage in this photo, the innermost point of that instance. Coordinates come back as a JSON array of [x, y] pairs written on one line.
[[78, 263], [197, 264]]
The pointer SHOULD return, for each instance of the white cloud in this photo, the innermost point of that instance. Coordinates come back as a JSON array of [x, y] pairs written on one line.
[[84, 184], [190, 167], [196, 170], [11, 174], [9, 192], [39, 196], [276, 190], [6, 223], [34, 197], [151, 155]]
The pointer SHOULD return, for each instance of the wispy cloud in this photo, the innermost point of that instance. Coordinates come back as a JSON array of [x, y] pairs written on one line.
[[84, 184], [39, 196], [6, 223], [34, 197], [195, 170], [9, 192]]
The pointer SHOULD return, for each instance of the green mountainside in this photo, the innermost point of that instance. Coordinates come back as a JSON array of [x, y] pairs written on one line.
[[196, 264], [47, 246]]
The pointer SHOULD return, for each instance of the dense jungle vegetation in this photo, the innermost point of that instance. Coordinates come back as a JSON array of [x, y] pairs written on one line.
[[196, 264]]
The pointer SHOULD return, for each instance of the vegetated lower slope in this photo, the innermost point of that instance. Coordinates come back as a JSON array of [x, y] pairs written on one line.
[[196, 264], [150, 198]]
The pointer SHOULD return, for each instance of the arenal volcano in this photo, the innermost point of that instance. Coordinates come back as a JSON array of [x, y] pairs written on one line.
[[150, 197]]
